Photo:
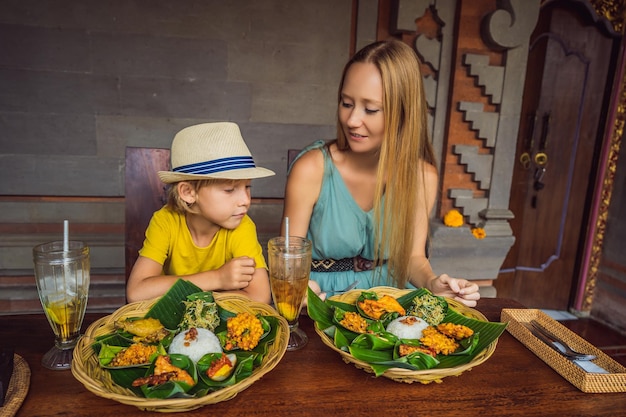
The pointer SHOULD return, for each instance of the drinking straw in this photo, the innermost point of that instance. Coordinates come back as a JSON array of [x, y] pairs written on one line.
[[286, 246], [66, 226]]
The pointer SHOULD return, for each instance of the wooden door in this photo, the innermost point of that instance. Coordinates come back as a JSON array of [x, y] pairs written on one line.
[[563, 113]]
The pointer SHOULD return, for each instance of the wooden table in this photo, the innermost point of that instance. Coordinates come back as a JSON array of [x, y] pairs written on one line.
[[315, 381]]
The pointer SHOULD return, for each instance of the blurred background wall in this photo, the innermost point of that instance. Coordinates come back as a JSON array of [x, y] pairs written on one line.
[[80, 80]]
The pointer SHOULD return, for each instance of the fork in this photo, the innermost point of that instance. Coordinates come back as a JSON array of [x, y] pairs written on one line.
[[567, 350], [348, 288]]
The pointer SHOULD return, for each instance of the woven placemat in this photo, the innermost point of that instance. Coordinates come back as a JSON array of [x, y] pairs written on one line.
[[18, 387]]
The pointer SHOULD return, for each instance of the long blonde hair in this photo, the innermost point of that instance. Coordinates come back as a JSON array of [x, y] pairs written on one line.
[[406, 146]]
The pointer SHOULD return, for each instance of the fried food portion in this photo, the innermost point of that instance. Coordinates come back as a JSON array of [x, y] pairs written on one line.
[[244, 331], [404, 350], [438, 342], [164, 371], [376, 308], [147, 330], [354, 321], [456, 331], [135, 354]]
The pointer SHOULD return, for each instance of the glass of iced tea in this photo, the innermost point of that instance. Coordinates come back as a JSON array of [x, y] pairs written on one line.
[[290, 267], [62, 277]]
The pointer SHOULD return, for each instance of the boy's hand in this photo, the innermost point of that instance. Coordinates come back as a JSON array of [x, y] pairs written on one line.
[[237, 273]]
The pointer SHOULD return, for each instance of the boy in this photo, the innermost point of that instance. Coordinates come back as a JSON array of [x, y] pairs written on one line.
[[203, 233]]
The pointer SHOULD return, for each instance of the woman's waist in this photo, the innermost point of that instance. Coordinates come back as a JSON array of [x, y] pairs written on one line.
[[355, 263]]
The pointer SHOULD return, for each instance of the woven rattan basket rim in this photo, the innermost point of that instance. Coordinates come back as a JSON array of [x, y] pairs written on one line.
[[86, 369], [406, 375], [614, 381], [18, 387]]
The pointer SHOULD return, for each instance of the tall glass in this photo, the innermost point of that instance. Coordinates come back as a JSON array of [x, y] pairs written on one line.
[[290, 267], [62, 278]]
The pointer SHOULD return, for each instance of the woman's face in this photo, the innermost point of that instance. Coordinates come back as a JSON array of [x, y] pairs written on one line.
[[361, 107]]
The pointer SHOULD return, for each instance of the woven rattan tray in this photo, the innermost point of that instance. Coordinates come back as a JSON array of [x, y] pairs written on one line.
[[407, 375], [18, 387], [87, 370], [614, 381]]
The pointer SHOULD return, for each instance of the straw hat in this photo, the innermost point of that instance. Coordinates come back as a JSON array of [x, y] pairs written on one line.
[[211, 150]]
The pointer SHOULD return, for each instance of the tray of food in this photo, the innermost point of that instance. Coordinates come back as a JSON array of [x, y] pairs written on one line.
[[594, 375], [404, 335], [182, 351]]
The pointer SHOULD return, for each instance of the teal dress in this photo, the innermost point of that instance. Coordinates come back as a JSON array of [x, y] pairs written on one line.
[[340, 229]]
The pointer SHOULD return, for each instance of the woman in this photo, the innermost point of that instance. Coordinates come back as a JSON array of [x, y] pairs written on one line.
[[364, 198]]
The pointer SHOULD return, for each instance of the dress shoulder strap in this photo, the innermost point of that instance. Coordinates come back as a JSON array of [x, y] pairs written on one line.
[[318, 144]]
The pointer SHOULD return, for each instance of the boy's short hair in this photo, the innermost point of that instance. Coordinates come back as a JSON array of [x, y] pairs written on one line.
[[177, 204]]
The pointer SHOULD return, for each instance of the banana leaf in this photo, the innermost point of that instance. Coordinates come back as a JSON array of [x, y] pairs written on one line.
[[170, 308], [113, 339], [124, 377], [379, 353], [370, 341], [340, 339], [414, 361], [468, 344], [371, 356], [321, 312]]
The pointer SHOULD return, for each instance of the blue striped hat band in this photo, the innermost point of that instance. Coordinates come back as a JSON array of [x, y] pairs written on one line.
[[217, 165]]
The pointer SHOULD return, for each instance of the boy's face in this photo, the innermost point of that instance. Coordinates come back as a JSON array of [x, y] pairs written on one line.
[[224, 203]]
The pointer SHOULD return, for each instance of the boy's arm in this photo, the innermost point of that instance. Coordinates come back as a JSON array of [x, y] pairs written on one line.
[[237, 276], [259, 287]]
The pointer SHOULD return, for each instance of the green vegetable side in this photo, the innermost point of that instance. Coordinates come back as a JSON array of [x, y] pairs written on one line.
[[379, 348], [182, 307]]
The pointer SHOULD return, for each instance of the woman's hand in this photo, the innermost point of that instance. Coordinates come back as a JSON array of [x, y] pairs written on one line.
[[461, 290], [315, 287]]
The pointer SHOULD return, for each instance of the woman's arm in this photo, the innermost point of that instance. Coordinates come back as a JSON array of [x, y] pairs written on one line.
[[420, 270], [301, 192]]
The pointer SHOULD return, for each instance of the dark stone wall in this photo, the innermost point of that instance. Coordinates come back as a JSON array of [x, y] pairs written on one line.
[[80, 80]]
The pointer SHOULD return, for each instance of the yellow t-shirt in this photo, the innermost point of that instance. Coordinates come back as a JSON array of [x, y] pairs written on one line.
[[168, 242]]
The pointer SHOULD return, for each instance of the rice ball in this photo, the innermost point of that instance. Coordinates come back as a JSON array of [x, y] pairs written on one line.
[[407, 327], [195, 343]]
